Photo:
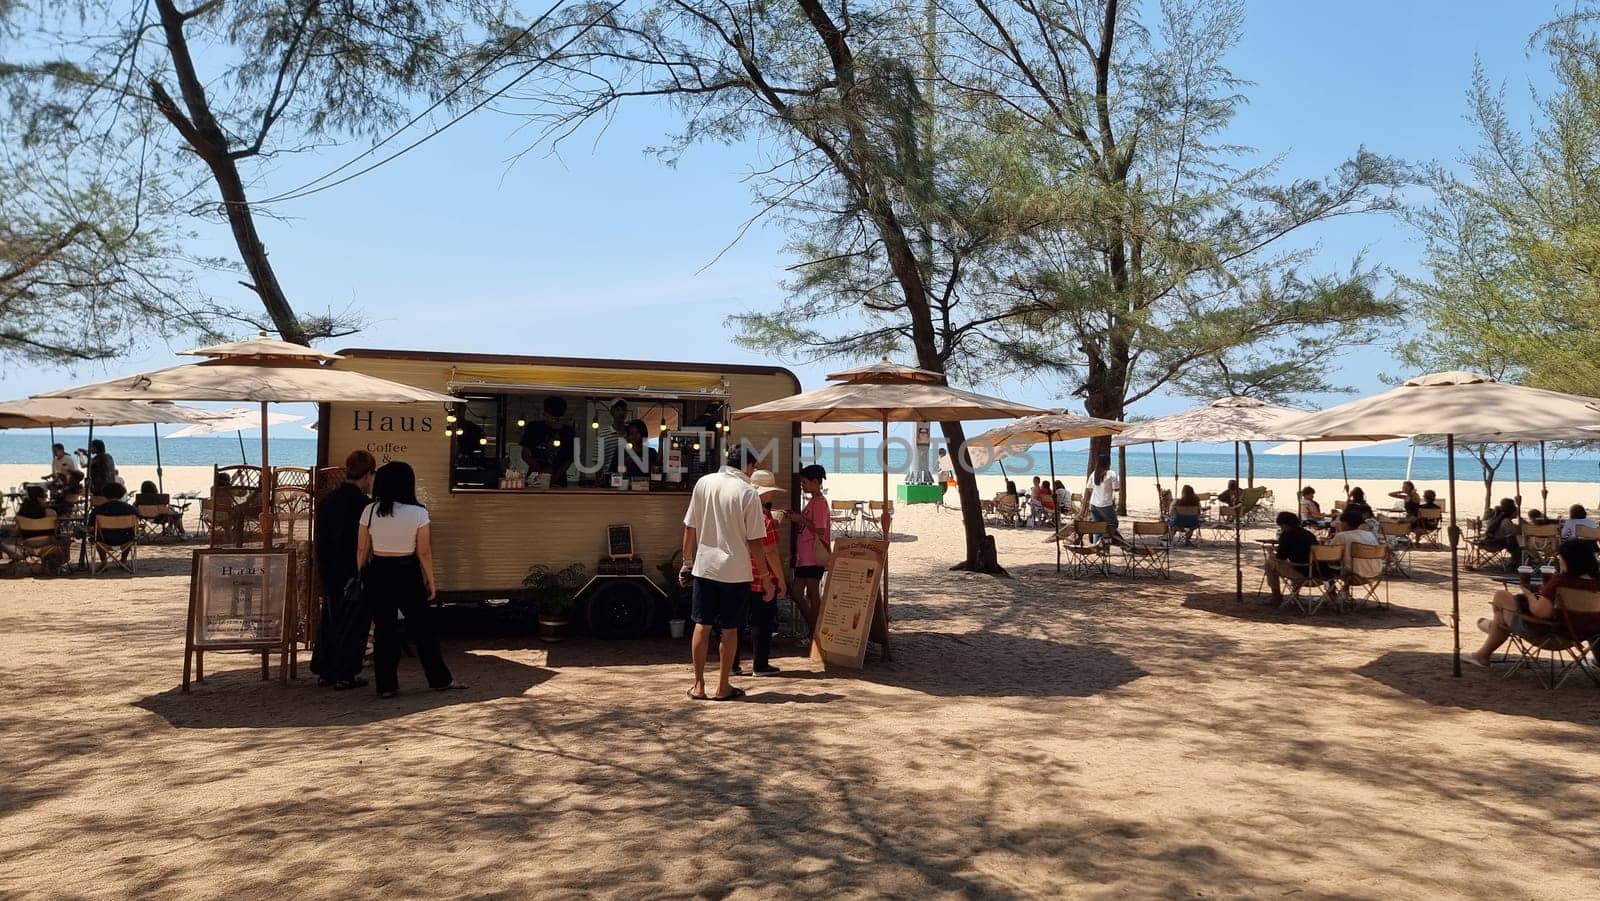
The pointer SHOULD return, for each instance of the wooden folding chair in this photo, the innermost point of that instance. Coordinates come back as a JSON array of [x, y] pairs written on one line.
[[1539, 543], [1008, 508], [1322, 581], [872, 518], [38, 545], [843, 514], [1369, 585], [1186, 521], [1561, 652], [1147, 547], [1094, 552], [121, 554], [1397, 535]]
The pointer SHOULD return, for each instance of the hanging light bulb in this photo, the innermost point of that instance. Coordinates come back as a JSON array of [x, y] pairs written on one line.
[[522, 423], [556, 443], [483, 441], [595, 424], [697, 445], [727, 428], [450, 417], [663, 425], [716, 425]]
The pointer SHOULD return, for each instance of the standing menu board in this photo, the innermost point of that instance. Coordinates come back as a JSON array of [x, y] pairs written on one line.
[[852, 603], [239, 600]]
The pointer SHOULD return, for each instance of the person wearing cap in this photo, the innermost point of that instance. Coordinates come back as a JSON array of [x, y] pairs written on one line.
[[763, 603], [723, 539], [813, 544]]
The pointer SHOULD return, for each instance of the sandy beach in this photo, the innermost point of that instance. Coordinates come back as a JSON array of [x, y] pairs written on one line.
[[1032, 736]]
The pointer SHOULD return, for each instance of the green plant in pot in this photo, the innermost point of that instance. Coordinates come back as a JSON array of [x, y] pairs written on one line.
[[553, 593], [676, 594]]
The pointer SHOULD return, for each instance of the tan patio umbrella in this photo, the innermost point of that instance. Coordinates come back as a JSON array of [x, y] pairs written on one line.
[[41, 412], [829, 429], [1224, 420], [1028, 431], [887, 372], [263, 370], [884, 402], [1450, 404]]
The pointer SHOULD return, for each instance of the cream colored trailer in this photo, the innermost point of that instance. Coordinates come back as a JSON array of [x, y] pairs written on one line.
[[486, 538]]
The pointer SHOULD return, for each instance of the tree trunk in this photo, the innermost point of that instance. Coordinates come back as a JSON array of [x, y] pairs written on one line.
[[200, 130], [1122, 481], [1250, 457]]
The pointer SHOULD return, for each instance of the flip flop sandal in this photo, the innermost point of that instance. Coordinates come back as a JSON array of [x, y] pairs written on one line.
[[733, 695], [695, 697]]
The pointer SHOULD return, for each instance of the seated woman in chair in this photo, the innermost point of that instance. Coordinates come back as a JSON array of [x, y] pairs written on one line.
[[1409, 499], [33, 506], [1528, 615], [1310, 510], [1185, 523], [1502, 531]]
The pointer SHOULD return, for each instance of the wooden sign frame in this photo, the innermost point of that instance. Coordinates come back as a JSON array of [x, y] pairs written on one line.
[[195, 642], [625, 533], [853, 586]]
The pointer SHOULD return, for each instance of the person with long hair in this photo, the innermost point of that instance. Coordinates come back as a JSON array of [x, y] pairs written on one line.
[[394, 553], [1532, 614], [1102, 491], [1409, 498], [1502, 531]]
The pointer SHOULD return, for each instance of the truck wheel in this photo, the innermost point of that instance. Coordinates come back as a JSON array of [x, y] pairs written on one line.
[[621, 610]]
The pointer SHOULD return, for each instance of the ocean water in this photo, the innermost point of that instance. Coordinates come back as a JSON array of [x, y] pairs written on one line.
[[852, 456]]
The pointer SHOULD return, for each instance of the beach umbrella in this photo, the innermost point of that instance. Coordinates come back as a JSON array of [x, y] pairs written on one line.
[[1298, 448], [1224, 420], [41, 412], [888, 373], [1450, 404], [828, 429], [1030, 430], [260, 370], [236, 421], [882, 401]]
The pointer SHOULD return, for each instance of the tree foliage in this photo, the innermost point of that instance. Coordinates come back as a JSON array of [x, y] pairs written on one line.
[[1512, 237], [209, 94]]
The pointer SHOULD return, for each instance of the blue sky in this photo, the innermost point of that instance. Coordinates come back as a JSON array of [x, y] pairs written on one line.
[[607, 252]]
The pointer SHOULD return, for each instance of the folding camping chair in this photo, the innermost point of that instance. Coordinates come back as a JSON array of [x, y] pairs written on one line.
[[873, 517], [1397, 535], [1480, 555], [159, 519], [109, 553], [1322, 581], [1089, 556], [1562, 650], [37, 544], [1148, 547], [1539, 543], [1008, 508], [843, 515], [1425, 528], [1186, 521], [1369, 586]]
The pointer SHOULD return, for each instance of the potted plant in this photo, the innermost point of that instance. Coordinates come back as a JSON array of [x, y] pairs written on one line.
[[677, 595], [553, 593]]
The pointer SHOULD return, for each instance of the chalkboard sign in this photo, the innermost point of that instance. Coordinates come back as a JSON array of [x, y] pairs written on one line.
[[619, 541], [239, 600]]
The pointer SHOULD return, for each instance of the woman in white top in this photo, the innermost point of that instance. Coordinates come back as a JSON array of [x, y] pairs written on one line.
[[1102, 491], [395, 557]]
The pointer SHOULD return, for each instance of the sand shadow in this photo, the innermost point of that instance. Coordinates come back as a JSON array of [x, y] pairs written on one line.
[[1119, 574], [237, 698], [1367, 617], [997, 665], [1427, 678]]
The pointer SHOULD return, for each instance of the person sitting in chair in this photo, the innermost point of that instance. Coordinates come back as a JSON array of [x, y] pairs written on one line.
[[1292, 559], [1427, 516], [33, 506], [1358, 502], [1527, 614], [1502, 531], [1310, 510], [1577, 516], [1408, 498], [114, 505], [1185, 523]]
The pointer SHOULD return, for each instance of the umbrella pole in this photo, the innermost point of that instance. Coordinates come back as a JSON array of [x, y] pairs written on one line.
[[1176, 476], [267, 498], [1544, 483], [240, 432], [1050, 439], [1156, 461], [1344, 467], [1299, 475], [885, 520], [1516, 469], [1238, 552], [1455, 558], [161, 482], [88, 501]]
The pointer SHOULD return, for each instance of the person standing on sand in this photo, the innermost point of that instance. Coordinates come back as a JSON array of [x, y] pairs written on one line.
[[723, 531], [342, 637], [394, 553], [813, 543]]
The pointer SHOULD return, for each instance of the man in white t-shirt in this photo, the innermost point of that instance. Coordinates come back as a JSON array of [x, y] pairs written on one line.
[[62, 465], [1577, 516], [722, 535]]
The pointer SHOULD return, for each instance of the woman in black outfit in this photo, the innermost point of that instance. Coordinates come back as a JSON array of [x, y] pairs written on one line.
[[395, 557]]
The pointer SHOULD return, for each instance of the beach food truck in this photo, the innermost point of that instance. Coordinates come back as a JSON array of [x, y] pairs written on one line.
[[558, 461]]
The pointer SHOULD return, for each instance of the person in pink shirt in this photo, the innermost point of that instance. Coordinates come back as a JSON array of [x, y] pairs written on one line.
[[813, 544]]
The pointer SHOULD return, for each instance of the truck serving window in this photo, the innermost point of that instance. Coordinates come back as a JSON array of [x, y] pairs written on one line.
[[557, 441]]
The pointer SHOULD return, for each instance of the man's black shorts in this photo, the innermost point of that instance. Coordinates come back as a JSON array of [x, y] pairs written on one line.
[[724, 604]]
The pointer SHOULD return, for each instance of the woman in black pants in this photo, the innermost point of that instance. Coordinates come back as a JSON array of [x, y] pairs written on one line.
[[395, 557]]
